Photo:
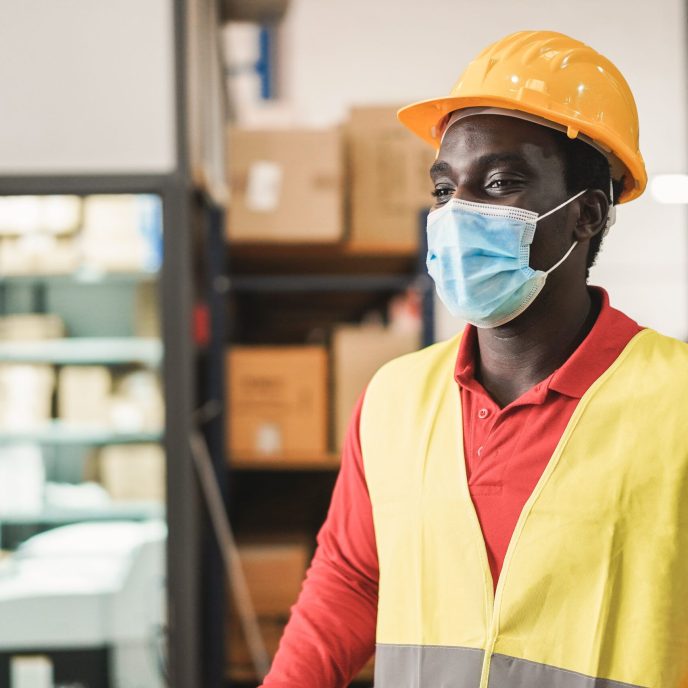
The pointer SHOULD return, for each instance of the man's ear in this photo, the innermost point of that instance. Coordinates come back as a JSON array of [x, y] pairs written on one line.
[[593, 208]]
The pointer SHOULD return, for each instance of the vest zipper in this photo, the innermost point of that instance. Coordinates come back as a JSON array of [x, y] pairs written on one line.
[[493, 629], [489, 596]]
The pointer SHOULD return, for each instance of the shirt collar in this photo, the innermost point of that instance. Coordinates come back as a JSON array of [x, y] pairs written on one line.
[[606, 340]]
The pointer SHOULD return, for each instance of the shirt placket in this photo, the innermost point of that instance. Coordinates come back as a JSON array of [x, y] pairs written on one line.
[[484, 418]]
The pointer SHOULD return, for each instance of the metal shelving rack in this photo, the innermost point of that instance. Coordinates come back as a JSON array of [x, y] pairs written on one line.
[[330, 271], [84, 351], [177, 365]]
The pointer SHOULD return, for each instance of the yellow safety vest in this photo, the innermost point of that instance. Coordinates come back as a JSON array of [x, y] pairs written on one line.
[[594, 587]]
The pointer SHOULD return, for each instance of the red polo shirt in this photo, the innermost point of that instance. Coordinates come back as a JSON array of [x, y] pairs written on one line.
[[331, 632]]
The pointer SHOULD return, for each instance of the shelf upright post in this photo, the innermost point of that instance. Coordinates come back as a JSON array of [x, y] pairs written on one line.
[[183, 498], [183, 501], [213, 398]]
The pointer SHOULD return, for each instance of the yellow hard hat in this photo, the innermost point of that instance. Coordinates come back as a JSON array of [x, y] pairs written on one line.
[[553, 77]]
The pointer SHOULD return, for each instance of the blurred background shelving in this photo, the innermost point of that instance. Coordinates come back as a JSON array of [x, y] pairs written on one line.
[[80, 359]]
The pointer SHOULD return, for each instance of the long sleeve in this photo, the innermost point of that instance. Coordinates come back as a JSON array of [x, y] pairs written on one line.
[[331, 631]]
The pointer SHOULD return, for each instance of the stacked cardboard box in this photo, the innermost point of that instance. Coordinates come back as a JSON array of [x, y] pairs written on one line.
[[89, 396], [357, 352], [26, 393], [37, 234], [83, 395], [121, 233], [133, 472], [56, 215], [44, 254], [389, 180], [137, 404], [278, 403], [279, 396], [59, 235], [30, 327], [366, 182], [286, 186], [362, 187], [274, 573]]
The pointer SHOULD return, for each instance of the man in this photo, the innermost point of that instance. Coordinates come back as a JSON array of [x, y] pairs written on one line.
[[512, 507]]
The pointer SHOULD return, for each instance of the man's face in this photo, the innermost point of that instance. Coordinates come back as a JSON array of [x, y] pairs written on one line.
[[508, 161]]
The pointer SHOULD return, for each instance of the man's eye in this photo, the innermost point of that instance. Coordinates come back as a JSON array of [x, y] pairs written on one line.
[[442, 193], [501, 183]]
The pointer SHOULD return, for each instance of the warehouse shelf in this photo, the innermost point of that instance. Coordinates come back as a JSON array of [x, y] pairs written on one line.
[[84, 351], [327, 462], [314, 259], [108, 304], [281, 294], [80, 277], [133, 511], [58, 433], [322, 283]]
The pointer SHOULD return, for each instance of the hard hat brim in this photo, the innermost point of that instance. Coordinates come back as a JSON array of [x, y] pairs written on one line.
[[425, 119]]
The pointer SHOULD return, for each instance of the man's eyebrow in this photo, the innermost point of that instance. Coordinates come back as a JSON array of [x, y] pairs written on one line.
[[440, 167]]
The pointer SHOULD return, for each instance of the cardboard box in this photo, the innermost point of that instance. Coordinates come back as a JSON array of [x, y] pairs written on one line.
[[39, 254], [26, 394], [357, 352], [39, 214], [83, 395], [278, 402], [137, 403], [134, 472], [274, 572], [389, 173], [31, 327], [122, 233], [286, 185]]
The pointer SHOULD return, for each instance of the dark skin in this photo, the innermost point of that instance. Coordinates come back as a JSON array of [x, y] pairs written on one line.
[[508, 161]]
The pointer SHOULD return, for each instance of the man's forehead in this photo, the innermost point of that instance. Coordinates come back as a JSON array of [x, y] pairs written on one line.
[[493, 138], [484, 129]]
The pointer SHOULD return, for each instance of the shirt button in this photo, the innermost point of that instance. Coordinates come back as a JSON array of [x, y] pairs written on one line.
[[483, 413], [480, 451]]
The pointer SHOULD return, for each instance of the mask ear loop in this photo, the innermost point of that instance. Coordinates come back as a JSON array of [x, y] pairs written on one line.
[[566, 255], [575, 243], [561, 205]]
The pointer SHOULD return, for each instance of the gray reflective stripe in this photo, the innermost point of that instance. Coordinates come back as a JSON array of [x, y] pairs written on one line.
[[509, 672], [427, 666], [432, 666]]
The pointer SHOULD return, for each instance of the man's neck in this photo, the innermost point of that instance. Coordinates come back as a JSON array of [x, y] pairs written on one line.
[[515, 357]]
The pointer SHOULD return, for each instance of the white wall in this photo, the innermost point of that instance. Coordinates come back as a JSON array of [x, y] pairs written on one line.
[[86, 86], [340, 52]]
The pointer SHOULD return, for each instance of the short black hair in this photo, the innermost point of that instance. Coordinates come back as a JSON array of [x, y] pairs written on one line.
[[586, 168]]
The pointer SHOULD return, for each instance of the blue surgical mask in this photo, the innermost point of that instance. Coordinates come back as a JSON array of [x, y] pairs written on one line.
[[478, 256]]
